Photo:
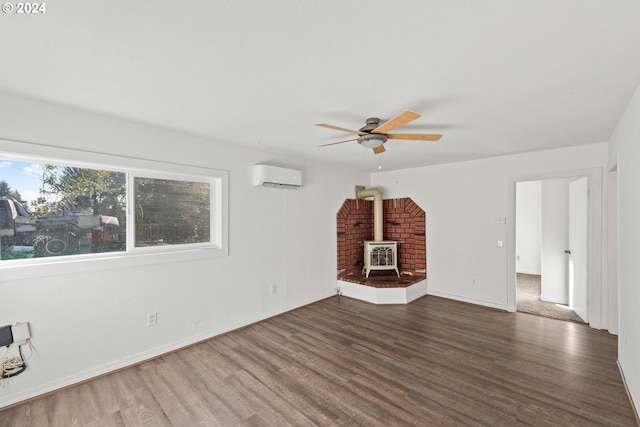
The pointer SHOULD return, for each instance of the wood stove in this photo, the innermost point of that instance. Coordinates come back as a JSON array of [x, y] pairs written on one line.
[[380, 255]]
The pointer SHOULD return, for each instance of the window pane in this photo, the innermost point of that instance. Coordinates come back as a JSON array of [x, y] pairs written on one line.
[[52, 210], [170, 212]]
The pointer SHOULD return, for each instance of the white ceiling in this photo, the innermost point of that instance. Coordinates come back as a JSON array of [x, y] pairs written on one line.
[[495, 77]]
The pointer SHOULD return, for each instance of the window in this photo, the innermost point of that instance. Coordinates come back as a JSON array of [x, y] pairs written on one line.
[[54, 209], [170, 212]]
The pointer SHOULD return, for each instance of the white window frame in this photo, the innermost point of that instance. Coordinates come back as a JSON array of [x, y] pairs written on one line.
[[132, 256]]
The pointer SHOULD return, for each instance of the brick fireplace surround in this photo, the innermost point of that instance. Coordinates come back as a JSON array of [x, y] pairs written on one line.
[[403, 221]]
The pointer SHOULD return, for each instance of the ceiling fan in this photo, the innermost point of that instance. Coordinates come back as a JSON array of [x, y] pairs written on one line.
[[374, 135]]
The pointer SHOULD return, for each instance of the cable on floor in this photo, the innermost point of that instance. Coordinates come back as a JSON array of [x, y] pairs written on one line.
[[14, 365]]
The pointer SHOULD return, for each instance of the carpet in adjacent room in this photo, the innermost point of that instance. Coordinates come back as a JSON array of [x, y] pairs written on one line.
[[528, 300]]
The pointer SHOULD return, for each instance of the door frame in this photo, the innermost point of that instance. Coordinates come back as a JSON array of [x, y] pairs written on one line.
[[596, 282], [612, 256]]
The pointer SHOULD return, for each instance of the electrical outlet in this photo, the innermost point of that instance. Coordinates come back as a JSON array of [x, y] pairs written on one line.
[[473, 281], [152, 318], [274, 289]]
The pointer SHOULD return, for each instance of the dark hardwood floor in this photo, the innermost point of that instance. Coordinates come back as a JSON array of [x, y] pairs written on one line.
[[344, 362]]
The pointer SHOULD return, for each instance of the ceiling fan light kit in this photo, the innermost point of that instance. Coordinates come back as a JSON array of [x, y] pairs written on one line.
[[373, 135], [372, 140]]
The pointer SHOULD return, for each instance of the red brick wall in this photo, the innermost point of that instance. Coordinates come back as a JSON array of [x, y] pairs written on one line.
[[354, 223], [403, 221]]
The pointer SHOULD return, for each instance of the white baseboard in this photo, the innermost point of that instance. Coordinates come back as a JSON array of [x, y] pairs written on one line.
[[531, 272], [629, 394], [545, 298], [470, 300]]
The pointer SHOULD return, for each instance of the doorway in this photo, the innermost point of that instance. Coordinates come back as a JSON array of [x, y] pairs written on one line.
[[552, 248]]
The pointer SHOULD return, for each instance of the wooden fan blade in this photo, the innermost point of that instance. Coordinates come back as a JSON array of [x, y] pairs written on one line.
[[339, 142], [324, 125], [415, 136], [379, 149], [397, 121]]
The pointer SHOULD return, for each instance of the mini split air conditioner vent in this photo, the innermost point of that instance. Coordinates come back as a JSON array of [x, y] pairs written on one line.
[[272, 176]]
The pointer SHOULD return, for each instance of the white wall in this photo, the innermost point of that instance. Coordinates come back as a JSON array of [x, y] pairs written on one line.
[[86, 322], [528, 227], [555, 240], [626, 148], [462, 202]]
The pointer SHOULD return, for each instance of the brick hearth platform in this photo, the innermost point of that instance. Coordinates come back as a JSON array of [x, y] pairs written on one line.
[[381, 279]]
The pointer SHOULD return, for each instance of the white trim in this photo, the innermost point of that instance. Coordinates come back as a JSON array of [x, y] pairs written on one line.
[[596, 280], [552, 300], [530, 272], [383, 295], [469, 300], [133, 167], [78, 157], [54, 266]]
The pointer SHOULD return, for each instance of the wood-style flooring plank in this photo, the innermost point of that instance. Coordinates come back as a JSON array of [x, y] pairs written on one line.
[[434, 362]]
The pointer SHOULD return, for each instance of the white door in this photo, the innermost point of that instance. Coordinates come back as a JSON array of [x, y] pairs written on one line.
[[555, 241], [578, 247]]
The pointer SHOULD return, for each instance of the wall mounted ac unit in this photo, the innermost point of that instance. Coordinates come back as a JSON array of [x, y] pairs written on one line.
[[272, 176]]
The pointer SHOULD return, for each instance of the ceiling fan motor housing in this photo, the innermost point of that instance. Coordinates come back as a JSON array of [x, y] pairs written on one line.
[[372, 123]]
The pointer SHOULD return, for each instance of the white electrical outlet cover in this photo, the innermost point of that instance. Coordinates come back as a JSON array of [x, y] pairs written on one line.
[[20, 333]]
